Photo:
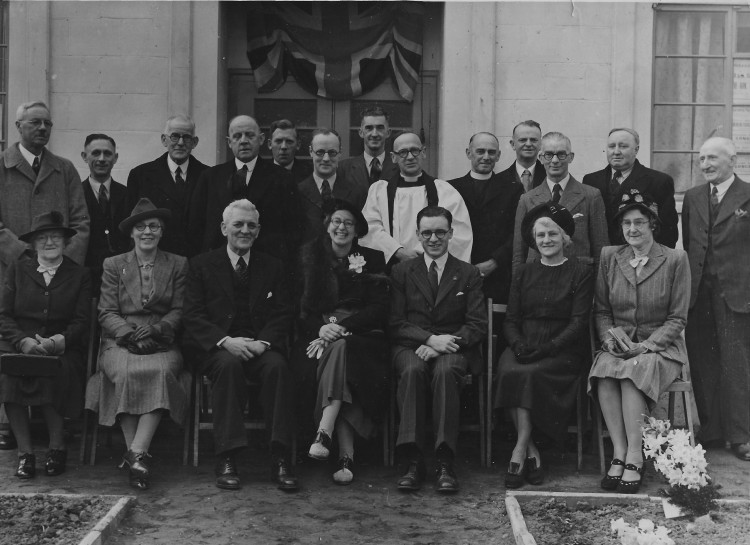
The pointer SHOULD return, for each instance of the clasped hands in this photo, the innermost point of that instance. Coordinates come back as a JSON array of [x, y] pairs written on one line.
[[244, 347], [42, 346], [143, 340], [529, 354], [610, 345], [436, 345], [327, 334]]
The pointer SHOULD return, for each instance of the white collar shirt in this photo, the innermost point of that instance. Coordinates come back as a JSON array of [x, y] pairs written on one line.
[[440, 262]]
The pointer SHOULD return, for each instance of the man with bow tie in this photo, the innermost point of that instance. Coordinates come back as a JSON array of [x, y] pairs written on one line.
[[238, 311], [438, 318], [392, 206], [716, 236], [33, 181]]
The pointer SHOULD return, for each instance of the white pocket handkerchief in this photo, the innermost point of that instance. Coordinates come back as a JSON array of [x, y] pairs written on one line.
[[270, 294], [578, 215], [459, 293]]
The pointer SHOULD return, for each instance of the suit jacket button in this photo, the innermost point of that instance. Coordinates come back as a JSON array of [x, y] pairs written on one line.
[[230, 316], [46, 293]]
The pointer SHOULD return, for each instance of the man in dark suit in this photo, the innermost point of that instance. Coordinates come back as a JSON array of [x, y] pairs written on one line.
[[716, 236], [526, 169], [106, 201], [246, 176], [584, 203], [238, 311], [492, 203], [169, 181], [325, 183], [284, 143], [623, 173], [374, 164], [438, 319]]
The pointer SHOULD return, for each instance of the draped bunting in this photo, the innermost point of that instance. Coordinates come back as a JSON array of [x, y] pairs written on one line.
[[336, 50]]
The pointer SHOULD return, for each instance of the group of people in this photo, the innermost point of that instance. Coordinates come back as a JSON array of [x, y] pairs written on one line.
[[326, 281]]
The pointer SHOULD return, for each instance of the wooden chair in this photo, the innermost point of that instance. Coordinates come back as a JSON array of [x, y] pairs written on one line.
[[492, 310], [92, 351]]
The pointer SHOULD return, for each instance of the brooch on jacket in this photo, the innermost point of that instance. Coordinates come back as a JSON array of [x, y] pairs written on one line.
[[740, 213], [356, 263]]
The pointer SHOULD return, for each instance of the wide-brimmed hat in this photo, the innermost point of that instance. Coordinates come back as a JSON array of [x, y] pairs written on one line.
[[555, 211], [634, 199], [145, 209], [340, 204], [47, 222]]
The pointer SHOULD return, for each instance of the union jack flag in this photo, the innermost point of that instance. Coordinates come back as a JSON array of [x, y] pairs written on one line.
[[336, 50]]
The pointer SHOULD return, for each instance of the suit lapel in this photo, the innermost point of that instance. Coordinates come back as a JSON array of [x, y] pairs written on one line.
[[419, 276], [131, 278], [29, 269], [494, 189], [222, 268], [540, 194], [734, 198], [341, 189], [447, 281], [61, 278], [623, 258], [259, 181], [360, 169], [572, 195], [162, 273], [48, 165], [656, 259], [257, 280], [309, 189], [164, 181]]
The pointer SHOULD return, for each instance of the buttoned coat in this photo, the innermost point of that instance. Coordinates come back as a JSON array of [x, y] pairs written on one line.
[[587, 207], [730, 240], [657, 185], [652, 308], [153, 180], [355, 169], [458, 309], [312, 202], [23, 196], [511, 174], [492, 221]]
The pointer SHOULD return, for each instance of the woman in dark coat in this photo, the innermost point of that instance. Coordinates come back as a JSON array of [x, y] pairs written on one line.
[[45, 311], [546, 325], [344, 307]]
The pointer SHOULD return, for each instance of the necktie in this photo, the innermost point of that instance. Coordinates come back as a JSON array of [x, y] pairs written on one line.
[[179, 180], [375, 170], [103, 199], [239, 183], [241, 270], [714, 203], [325, 191], [556, 192], [614, 185], [36, 166], [433, 278], [526, 180]]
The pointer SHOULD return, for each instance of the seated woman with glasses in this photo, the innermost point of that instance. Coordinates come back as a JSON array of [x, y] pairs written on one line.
[[140, 311], [45, 311], [344, 306], [640, 309], [546, 328]]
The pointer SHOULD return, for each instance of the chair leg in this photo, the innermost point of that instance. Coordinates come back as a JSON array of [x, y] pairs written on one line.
[[84, 435], [392, 425], [196, 417], [599, 435], [482, 424], [94, 441], [687, 401], [579, 426]]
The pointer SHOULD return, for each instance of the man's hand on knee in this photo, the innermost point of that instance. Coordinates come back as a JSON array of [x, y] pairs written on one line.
[[239, 347], [443, 344], [426, 353]]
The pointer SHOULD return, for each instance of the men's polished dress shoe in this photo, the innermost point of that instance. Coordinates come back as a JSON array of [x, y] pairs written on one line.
[[8, 441], [447, 482], [742, 451], [55, 463], [282, 475], [412, 479], [226, 474], [26, 466]]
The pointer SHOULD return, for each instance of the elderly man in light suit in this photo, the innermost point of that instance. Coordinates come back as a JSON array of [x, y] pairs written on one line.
[[716, 235], [584, 203]]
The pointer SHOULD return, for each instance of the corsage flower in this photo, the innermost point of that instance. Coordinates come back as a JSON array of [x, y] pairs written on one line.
[[356, 263]]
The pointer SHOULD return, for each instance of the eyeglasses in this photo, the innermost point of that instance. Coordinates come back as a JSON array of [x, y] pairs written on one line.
[[638, 224], [154, 227], [39, 122], [55, 237], [439, 233], [322, 153], [561, 155], [338, 221], [187, 139], [404, 153]]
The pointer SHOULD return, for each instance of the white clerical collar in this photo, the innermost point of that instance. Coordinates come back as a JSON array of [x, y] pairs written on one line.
[[721, 188], [234, 258], [319, 180], [288, 167], [520, 168], [478, 176], [95, 186], [563, 183], [411, 179], [250, 164], [369, 158], [440, 262], [28, 155], [173, 166]]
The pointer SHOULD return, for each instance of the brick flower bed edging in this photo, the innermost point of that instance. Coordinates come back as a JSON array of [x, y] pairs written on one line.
[[521, 534]]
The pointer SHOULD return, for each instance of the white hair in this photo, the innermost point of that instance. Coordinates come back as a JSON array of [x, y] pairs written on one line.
[[180, 117], [548, 222], [241, 204], [724, 143], [26, 106]]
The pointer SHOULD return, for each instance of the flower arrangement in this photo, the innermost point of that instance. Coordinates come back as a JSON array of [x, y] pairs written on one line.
[[356, 263], [647, 533], [684, 466], [635, 196]]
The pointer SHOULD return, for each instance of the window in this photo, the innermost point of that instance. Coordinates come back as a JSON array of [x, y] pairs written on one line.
[[3, 73], [701, 87]]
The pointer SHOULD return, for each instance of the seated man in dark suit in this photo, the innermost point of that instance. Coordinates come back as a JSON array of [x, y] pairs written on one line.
[[438, 319], [284, 143], [374, 164], [246, 176], [107, 203], [169, 181], [325, 183], [527, 169], [623, 173], [238, 311]]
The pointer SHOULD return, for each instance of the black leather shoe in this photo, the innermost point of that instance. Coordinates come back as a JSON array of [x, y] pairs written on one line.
[[226, 473], [139, 472], [534, 471], [26, 466], [282, 475], [412, 479], [631, 487], [446, 483], [516, 474], [610, 482], [55, 463], [8, 441]]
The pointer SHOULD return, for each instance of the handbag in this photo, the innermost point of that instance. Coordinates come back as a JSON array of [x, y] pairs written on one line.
[[30, 365]]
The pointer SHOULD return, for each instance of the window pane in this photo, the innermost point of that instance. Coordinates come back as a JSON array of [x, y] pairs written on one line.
[[687, 127], [690, 33], [742, 168], [300, 112], [689, 80], [683, 167], [743, 32]]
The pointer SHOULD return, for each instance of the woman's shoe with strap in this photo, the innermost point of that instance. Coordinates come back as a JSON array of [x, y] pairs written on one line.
[[631, 487], [139, 471], [610, 482]]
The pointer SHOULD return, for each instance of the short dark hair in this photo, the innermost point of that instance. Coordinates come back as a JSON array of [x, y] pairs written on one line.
[[527, 123], [373, 111], [324, 131], [283, 124], [99, 136], [435, 212]]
